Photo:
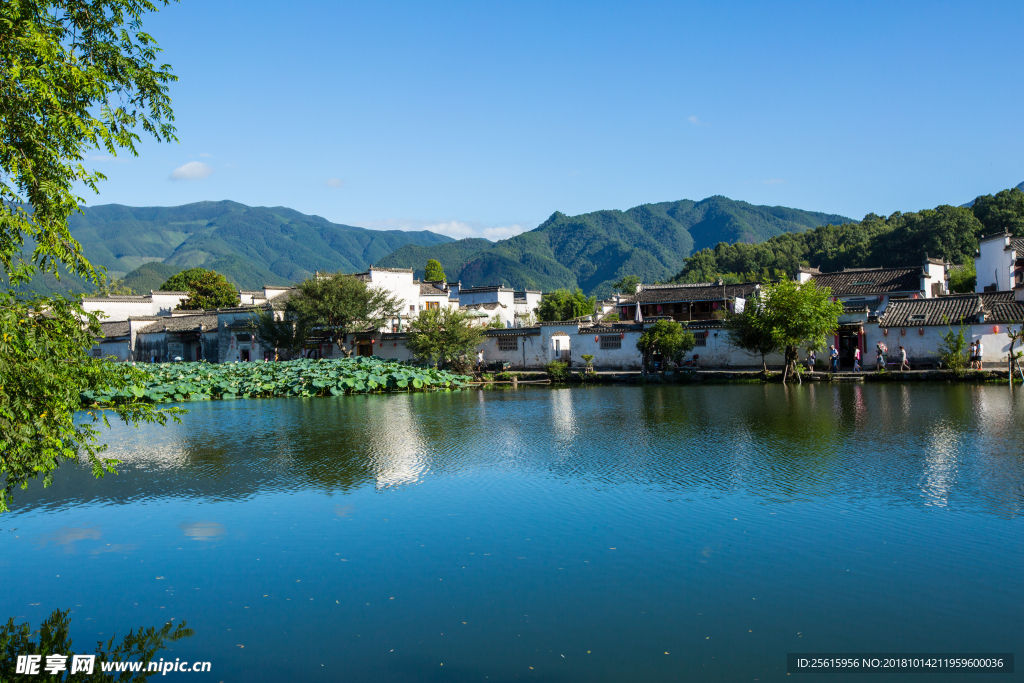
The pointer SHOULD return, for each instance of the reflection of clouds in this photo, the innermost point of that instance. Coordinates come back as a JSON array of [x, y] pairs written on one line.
[[69, 535], [396, 449], [203, 530]]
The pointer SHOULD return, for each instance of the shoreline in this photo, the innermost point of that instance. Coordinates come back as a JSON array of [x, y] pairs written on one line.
[[576, 377]]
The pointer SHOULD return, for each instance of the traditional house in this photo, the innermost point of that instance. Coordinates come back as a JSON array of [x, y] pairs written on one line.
[[918, 325], [999, 263], [510, 306], [702, 301], [188, 335], [866, 293]]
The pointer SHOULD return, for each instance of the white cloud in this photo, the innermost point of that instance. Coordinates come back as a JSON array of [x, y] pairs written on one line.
[[205, 155], [335, 182], [193, 170], [774, 181], [456, 229], [695, 121]]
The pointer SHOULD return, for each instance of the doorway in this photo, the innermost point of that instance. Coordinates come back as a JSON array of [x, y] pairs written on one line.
[[849, 341]]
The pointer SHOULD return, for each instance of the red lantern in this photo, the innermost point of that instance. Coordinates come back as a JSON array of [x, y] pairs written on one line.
[[995, 329], [920, 330], [903, 331], [886, 332], [622, 335], [373, 341], [597, 338]]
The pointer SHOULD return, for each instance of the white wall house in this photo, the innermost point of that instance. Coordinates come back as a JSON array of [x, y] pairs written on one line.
[[998, 263], [510, 306], [120, 308]]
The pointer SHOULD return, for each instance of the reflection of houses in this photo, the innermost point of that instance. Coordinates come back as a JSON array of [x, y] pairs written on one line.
[[866, 293], [685, 302], [918, 324]]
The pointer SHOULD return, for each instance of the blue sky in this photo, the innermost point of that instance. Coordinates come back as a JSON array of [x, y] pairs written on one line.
[[484, 118]]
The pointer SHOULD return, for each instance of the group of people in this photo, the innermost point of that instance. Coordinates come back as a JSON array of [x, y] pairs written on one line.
[[974, 355], [881, 351]]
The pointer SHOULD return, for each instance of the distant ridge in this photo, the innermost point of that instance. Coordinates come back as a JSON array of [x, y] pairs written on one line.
[[593, 250], [252, 246]]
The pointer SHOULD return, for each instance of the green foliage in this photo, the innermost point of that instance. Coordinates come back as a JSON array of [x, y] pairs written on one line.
[[557, 371], [113, 287], [953, 349], [963, 279], [76, 77], [201, 381], [441, 336], [668, 337], [495, 324], [142, 645], [434, 272], [286, 334], [948, 232], [340, 304], [612, 317], [179, 281], [595, 250], [206, 290], [563, 304], [588, 358], [44, 366], [746, 332], [627, 285], [1004, 211]]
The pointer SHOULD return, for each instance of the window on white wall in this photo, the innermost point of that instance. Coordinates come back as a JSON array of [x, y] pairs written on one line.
[[611, 341], [508, 343], [701, 338]]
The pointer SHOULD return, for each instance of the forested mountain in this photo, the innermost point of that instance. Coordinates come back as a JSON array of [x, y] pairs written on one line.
[[593, 250], [902, 239], [252, 246]]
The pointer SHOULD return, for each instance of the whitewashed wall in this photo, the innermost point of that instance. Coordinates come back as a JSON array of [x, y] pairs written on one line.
[[993, 264], [924, 348]]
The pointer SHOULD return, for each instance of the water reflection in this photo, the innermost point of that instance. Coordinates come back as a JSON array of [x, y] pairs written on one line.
[[930, 445]]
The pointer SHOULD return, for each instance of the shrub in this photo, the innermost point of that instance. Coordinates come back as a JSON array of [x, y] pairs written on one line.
[[557, 370], [952, 348], [588, 358]]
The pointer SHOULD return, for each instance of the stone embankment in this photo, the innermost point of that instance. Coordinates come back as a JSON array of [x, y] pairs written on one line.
[[727, 376]]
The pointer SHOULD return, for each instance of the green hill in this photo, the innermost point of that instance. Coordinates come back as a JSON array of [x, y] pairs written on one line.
[[252, 246], [593, 250]]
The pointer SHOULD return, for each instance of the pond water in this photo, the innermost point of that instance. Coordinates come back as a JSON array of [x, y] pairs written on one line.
[[586, 534]]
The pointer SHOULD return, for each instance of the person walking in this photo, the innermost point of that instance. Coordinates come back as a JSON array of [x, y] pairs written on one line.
[[856, 359], [812, 358], [979, 350], [903, 359], [833, 355], [479, 360], [972, 355], [879, 356]]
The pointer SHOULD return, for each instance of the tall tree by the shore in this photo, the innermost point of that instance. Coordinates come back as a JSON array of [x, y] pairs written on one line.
[[443, 336], [563, 304], [669, 338], [74, 77], [790, 314], [338, 305]]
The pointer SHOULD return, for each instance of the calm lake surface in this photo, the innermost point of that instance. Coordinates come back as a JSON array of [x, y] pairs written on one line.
[[594, 534]]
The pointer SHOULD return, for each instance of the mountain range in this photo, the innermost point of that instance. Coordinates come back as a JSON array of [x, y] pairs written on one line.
[[254, 246], [593, 250], [250, 245]]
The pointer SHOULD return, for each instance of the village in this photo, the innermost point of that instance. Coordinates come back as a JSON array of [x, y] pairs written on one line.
[[909, 307]]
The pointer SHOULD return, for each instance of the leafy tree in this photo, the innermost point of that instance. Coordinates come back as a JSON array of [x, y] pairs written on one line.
[[495, 324], [953, 347], [179, 281], [557, 370], [1004, 211], [563, 304], [339, 305], [115, 287], [963, 279], [701, 267], [74, 77], [791, 314], [286, 334], [745, 332], [434, 271], [612, 317], [142, 645], [441, 336], [627, 285], [667, 336], [208, 290]]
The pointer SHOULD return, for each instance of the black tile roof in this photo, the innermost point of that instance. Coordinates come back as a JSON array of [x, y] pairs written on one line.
[[183, 323], [705, 291], [1016, 244], [116, 328], [871, 281], [999, 307], [431, 289]]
